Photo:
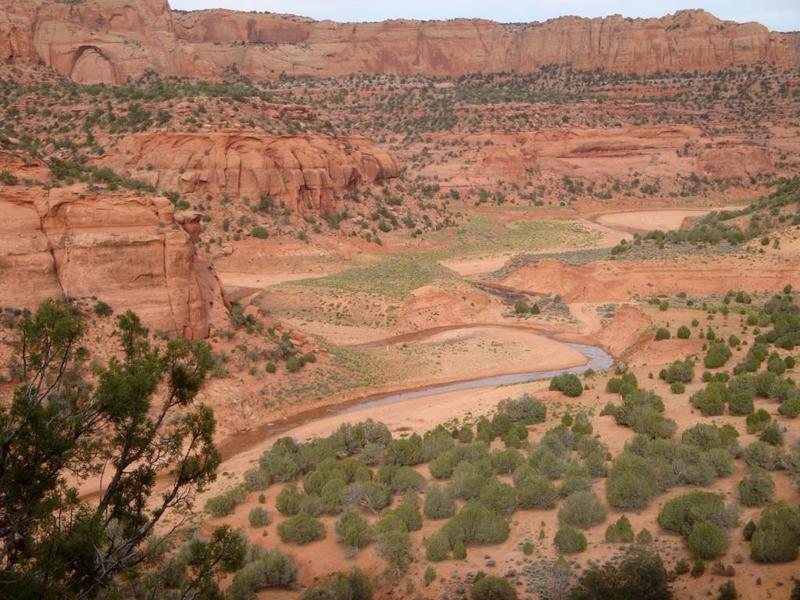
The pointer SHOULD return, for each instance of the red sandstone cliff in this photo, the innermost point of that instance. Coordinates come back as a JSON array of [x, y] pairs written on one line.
[[125, 250], [306, 173], [112, 40]]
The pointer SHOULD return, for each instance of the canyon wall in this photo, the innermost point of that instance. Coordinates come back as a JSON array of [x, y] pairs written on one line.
[[110, 41], [306, 173], [127, 251]]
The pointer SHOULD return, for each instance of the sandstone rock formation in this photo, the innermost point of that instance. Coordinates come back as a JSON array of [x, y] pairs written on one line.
[[307, 173], [658, 151], [111, 40], [127, 251]]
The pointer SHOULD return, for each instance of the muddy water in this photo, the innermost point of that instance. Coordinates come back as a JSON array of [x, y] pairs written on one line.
[[596, 359]]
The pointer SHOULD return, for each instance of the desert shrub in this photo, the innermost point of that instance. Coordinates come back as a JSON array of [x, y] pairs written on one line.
[[353, 586], [352, 530], [394, 545], [790, 407], [622, 385], [662, 333], [408, 512], [698, 568], [757, 421], [569, 540], [572, 483], [717, 355], [437, 547], [407, 452], [680, 371], [620, 531], [727, 591], [224, 504], [707, 541], [505, 462], [631, 482], [489, 587], [498, 497], [707, 436], [476, 524], [676, 387], [368, 494], [761, 454], [435, 442], [756, 488], [682, 513], [401, 479], [301, 529], [776, 365], [582, 509], [311, 504], [740, 404], [772, 435], [776, 536], [256, 479], [568, 384], [533, 491], [258, 517], [289, 500], [526, 409], [439, 503], [467, 481], [272, 569], [640, 574], [429, 577], [711, 400], [684, 333]]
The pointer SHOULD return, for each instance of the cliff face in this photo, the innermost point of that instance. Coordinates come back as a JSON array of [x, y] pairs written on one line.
[[127, 251], [306, 173], [112, 40]]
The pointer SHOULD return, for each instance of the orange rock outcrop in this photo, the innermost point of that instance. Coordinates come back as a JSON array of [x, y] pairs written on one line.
[[306, 173], [125, 250], [111, 40]]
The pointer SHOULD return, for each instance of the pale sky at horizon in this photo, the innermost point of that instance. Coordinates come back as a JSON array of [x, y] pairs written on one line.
[[778, 15]]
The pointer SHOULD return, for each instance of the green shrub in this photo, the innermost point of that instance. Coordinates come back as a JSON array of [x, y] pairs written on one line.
[[568, 384], [526, 409], [761, 454], [259, 233], [437, 547], [620, 532], [640, 574], [684, 333], [272, 569], [353, 586], [776, 536], [534, 492], [717, 355], [757, 421], [256, 479], [499, 497], [569, 540], [682, 513], [681, 371], [677, 387], [489, 587], [352, 530], [258, 517], [757, 488], [772, 435], [301, 529], [707, 541], [225, 503], [405, 452], [289, 500], [582, 509], [476, 524], [662, 333], [408, 512], [103, 309], [429, 577], [439, 503], [790, 407]]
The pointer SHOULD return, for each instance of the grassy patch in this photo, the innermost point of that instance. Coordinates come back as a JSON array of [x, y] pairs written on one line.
[[393, 278]]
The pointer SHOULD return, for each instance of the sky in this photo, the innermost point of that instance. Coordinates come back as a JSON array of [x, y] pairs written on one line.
[[778, 15]]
